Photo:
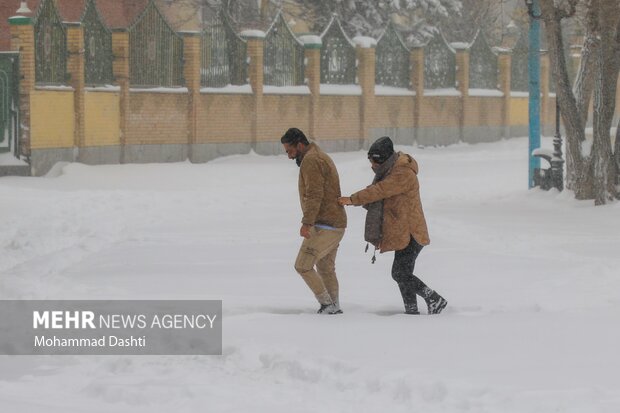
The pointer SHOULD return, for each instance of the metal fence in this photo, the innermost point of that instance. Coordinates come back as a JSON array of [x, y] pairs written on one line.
[[483, 65], [50, 45], [9, 102], [392, 60], [283, 56], [518, 69], [156, 54], [338, 58], [97, 47], [155, 51], [223, 55], [439, 64]]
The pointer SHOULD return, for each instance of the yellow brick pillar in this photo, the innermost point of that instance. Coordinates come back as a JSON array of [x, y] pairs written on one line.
[[312, 49], [366, 77], [75, 68], [462, 71], [416, 60], [22, 41], [255, 44], [504, 61], [462, 85], [120, 67], [545, 81], [191, 68]]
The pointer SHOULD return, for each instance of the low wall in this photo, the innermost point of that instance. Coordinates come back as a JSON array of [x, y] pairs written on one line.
[[483, 119], [440, 120], [102, 143], [52, 128], [160, 127]]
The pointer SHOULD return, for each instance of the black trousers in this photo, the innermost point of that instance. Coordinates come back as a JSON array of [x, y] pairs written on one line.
[[402, 272]]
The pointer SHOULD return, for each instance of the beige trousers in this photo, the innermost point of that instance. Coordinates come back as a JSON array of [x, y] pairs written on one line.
[[320, 250]]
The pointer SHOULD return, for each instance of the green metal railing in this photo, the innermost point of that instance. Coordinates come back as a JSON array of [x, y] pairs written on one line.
[[392, 60], [9, 102], [338, 59], [155, 51], [283, 56], [439, 64], [223, 55], [97, 47], [50, 45], [483, 66]]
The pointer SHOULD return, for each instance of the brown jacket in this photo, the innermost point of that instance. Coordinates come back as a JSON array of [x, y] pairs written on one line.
[[319, 189], [402, 208]]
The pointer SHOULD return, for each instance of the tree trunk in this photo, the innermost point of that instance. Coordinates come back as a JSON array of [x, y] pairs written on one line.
[[592, 170], [617, 158], [616, 163], [604, 103], [572, 117], [583, 88], [584, 83]]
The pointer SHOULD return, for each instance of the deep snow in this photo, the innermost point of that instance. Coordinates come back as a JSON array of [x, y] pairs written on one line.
[[531, 277]]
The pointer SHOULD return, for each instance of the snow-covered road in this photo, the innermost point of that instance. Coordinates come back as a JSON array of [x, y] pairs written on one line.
[[531, 277]]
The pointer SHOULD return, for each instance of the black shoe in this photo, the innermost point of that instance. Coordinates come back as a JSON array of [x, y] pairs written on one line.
[[329, 309], [411, 307], [436, 303], [407, 290], [412, 310]]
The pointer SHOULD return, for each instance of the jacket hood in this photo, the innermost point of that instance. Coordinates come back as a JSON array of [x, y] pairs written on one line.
[[406, 161]]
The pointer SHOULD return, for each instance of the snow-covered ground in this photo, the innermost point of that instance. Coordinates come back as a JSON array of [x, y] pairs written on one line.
[[532, 279]]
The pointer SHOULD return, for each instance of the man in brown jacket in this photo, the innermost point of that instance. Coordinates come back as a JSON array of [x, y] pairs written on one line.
[[323, 222], [395, 220]]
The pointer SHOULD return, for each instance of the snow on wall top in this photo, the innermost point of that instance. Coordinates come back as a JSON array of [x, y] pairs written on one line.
[[257, 34], [364, 42], [310, 39]]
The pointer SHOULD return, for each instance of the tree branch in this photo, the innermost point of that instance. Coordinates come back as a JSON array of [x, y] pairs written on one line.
[[570, 12]]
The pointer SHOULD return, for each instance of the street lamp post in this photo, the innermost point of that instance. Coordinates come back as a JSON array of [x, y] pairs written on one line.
[[533, 69], [557, 163]]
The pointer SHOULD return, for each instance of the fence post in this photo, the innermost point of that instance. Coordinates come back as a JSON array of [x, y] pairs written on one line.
[[75, 68], [462, 85], [366, 55], [504, 63], [312, 53], [22, 41], [191, 72], [417, 84], [255, 51], [120, 67]]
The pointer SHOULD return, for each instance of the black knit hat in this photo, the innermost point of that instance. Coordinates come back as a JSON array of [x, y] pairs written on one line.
[[381, 150], [294, 136]]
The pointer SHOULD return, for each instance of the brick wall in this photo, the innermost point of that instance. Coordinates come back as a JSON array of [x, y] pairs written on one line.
[[281, 112], [338, 117], [101, 118], [157, 118], [224, 118], [52, 119]]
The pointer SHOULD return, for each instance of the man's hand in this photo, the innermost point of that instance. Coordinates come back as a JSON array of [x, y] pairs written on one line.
[[345, 200], [305, 230]]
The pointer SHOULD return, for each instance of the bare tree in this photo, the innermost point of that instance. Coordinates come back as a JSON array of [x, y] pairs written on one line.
[[592, 169], [476, 15]]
